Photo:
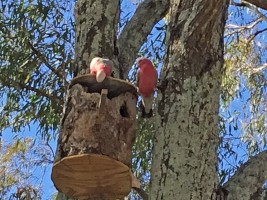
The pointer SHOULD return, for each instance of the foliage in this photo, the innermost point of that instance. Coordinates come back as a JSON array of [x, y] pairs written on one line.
[[36, 48], [243, 98], [18, 162]]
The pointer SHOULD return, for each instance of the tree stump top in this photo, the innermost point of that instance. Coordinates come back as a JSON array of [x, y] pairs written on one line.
[[92, 176], [115, 86]]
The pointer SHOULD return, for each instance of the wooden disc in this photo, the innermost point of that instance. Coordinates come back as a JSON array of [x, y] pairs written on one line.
[[115, 86], [92, 176]]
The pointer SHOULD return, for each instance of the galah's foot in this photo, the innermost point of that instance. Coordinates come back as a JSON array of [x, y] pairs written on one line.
[[144, 114]]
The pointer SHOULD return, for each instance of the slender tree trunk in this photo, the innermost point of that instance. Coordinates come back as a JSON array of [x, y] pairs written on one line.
[[185, 146]]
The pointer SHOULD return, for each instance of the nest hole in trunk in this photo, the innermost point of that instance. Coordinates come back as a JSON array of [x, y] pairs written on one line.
[[93, 157]]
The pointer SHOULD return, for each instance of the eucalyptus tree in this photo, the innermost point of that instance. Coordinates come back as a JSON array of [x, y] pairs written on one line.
[[205, 64]]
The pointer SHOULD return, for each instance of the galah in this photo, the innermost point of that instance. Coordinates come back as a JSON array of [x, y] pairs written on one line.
[[146, 82], [101, 67]]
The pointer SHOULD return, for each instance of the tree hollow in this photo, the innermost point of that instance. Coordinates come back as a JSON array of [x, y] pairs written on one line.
[[93, 158]]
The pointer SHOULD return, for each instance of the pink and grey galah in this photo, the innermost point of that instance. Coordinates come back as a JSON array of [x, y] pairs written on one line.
[[101, 67], [147, 78]]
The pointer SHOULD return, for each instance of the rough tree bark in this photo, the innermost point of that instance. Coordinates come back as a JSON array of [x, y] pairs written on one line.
[[247, 182], [96, 26], [185, 145]]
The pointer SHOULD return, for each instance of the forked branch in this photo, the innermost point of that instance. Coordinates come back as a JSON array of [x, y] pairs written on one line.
[[137, 29]]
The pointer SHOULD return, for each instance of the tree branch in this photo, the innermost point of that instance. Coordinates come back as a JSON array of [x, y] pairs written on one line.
[[259, 3], [137, 29], [261, 18], [248, 178], [45, 61], [20, 86], [256, 33], [244, 27], [260, 68]]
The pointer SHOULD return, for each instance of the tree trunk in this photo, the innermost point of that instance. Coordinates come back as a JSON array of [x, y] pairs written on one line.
[[96, 29], [185, 146]]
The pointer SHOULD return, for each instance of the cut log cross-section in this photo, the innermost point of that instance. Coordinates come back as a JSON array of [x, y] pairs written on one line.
[[93, 158]]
